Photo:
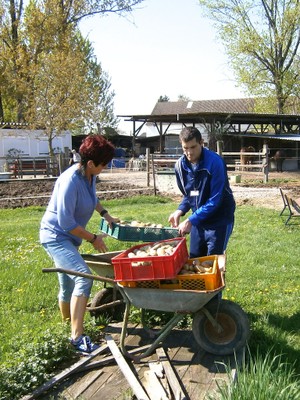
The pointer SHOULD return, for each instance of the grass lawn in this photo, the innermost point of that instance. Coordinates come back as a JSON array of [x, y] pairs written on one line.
[[263, 276]]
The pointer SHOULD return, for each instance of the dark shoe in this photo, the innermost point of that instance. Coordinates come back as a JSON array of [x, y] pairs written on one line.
[[84, 344]]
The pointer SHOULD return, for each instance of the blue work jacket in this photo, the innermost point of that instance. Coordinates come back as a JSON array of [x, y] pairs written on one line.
[[206, 191]]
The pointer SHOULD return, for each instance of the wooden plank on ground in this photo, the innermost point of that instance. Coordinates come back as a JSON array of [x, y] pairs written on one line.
[[133, 381], [197, 379], [116, 386], [110, 359], [195, 370], [158, 369], [64, 374], [75, 391], [154, 388], [94, 391], [171, 376]]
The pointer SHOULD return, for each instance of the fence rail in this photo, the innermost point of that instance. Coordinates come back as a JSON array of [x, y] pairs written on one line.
[[35, 166]]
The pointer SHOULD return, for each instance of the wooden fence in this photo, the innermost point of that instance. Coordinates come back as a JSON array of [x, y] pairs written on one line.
[[160, 162], [261, 165], [35, 166]]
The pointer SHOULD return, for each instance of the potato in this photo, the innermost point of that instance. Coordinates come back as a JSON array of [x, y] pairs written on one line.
[[207, 264], [152, 252], [156, 249], [146, 248], [156, 246], [200, 269], [184, 272], [135, 223], [161, 251], [141, 254]]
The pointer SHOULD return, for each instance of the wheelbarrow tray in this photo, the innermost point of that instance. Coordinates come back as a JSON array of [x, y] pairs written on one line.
[[170, 300], [101, 263]]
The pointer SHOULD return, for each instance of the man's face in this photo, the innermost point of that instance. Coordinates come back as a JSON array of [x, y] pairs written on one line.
[[192, 149]]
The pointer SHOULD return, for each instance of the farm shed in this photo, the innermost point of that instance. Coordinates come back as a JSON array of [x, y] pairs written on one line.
[[233, 121]]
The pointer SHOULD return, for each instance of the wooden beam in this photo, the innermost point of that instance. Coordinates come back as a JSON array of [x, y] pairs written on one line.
[[155, 390], [171, 376], [109, 359], [129, 375]]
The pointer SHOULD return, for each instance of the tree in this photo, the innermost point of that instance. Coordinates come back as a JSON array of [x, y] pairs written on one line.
[[262, 40], [182, 97], [25, 34], [69, 90], [161, 99], [100, 112]]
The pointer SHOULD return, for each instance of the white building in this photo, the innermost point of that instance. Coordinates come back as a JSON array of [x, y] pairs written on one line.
[[30, 143]]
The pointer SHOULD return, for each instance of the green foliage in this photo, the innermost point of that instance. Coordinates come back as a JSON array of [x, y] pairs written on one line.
[[41, 47], [262, 40], [262, 276], [34, 357], [261, 377]]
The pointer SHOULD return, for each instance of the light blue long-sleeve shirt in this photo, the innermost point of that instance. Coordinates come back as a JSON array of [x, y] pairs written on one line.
[[72, 203]]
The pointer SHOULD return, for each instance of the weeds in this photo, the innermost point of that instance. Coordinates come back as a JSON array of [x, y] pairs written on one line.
[[262, 377]]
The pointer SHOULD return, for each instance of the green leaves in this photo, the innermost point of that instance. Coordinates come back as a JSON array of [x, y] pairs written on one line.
[[262, 41]]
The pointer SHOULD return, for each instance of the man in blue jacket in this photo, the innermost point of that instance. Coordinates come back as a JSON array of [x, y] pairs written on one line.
[[201, 176]]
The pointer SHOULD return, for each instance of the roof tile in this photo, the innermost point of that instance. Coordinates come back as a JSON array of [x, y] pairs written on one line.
[[245, 105]]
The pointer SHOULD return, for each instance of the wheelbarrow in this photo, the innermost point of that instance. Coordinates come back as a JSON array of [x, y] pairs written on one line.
[[219, 326]]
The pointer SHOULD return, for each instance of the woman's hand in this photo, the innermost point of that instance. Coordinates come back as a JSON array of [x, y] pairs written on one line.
[[110, 220], [99, 243]]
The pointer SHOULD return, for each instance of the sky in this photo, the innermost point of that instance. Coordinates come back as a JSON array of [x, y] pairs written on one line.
[[166, 47]]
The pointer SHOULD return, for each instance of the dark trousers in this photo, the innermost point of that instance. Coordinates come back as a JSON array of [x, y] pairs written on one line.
[[205, 242]]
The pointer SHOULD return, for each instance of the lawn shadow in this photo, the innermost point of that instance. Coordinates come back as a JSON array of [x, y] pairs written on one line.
[[265, 343]]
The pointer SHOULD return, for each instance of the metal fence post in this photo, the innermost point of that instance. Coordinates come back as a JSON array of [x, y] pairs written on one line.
[[266, 162]]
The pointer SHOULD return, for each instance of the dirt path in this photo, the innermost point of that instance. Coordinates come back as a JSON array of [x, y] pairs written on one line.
[[120, 184]]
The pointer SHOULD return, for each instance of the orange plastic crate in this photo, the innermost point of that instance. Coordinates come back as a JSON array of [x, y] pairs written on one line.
[[156, 267], [205, 281]]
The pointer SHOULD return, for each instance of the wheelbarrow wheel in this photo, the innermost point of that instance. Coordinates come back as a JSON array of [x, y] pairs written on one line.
[[233, 331], [106, 296]]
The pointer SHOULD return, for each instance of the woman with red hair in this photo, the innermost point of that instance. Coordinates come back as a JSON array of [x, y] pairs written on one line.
[[63, 227]]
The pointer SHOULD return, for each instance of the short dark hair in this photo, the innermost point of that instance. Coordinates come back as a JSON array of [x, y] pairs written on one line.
[[97, 149], [189, 133]]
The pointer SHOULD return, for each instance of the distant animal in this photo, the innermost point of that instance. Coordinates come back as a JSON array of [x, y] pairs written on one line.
[[279, 158], [247, 159]]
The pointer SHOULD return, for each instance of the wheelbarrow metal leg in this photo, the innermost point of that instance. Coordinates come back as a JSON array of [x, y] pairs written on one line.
[[124, 328], [162, 335]]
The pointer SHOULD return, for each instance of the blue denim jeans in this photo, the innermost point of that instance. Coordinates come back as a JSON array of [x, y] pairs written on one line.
[[65, 255]]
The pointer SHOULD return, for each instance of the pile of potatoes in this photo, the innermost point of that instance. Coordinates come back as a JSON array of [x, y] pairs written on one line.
[[155, 249], [197, 267], [138, 224], [152, 250]]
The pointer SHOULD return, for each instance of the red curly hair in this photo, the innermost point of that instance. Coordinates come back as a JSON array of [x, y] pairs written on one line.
[[96, 148]]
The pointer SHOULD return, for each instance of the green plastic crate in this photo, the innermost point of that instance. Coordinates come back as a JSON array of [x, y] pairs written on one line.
[[137, 234]]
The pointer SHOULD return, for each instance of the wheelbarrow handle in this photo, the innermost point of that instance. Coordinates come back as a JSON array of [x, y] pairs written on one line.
[[83, 274]]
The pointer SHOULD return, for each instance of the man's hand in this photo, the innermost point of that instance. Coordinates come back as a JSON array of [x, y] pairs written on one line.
[[185, 227], [174, 218]]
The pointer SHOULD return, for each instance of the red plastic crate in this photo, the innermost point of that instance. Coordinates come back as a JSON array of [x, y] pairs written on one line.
[[156, 267]]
